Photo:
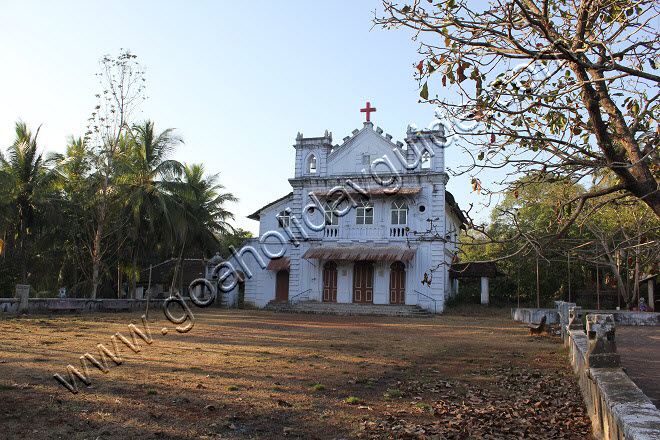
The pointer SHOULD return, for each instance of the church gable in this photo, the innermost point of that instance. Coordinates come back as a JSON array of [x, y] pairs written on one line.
[[275, 205], [359, 151]]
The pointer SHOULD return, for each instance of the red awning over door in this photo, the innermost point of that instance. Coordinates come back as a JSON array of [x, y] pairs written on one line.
[[361, 253], [281, 263]]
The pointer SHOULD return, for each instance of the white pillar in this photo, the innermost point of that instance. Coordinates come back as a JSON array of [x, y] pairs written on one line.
[[22, 293], [484, 290], [651, 284]]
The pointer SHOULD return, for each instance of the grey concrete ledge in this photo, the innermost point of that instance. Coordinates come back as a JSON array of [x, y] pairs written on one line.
[[554, 316], [632, 410], [633, 318], [9, 306], [528, 315], [617, 407]]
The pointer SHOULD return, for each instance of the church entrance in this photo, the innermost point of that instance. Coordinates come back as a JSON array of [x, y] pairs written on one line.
[[397, 283], [363, 282], [330, 282], [282, 286]]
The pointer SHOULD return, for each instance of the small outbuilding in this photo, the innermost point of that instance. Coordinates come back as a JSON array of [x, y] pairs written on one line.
[[472, 270]]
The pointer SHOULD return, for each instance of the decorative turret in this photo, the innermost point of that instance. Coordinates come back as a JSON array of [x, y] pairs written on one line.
[[426, 148], [312, 154]]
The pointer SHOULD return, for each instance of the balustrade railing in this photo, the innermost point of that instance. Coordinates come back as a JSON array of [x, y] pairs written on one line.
[[364, 232], [398, 231], [331, 231]]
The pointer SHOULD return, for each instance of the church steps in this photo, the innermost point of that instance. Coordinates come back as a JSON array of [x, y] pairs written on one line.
[[349, 309]]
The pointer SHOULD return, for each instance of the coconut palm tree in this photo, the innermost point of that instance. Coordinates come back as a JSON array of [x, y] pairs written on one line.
[[205, 200], [144, 170], [78, 185], [27, 184], [202, 215]]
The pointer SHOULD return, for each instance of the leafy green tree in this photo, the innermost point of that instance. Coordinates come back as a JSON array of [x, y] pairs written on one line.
[[79, 186], [122, 85], [203, 215], [626, 238], [519, 218], [144, 170], [113, 203], [235, 240], [621, 237], [560, 89], [27, 187]]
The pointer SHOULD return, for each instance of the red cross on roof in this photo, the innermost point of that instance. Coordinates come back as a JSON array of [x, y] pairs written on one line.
[[368, 110]]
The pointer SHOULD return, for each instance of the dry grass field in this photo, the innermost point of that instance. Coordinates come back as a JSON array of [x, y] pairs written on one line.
[[253, 374]]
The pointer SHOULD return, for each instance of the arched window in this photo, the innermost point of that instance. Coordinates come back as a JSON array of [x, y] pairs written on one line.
[[399, 212], [312, 164], [426, 160], [284, 219], [364, 213]]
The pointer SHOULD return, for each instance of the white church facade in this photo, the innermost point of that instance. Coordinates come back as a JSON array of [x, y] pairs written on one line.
[[368, 221]]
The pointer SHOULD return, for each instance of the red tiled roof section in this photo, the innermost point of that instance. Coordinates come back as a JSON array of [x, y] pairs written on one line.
[[360, 253], [281, 263]]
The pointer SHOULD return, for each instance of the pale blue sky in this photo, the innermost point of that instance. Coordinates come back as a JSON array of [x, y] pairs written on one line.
[[237, 80]]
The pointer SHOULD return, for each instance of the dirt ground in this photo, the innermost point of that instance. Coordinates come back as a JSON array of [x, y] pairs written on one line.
[[255, 374]]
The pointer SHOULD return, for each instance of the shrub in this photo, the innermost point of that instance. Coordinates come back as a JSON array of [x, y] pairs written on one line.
[[393, 394]]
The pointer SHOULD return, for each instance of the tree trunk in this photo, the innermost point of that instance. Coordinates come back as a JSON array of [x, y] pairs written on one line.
[[176, 270], [60, 273], [21, 247], [23, 260], [96, 253], [133, 282], [74, 288], [614, 267]]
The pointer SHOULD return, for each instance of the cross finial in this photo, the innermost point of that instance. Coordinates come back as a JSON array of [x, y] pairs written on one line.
[[368, 109]]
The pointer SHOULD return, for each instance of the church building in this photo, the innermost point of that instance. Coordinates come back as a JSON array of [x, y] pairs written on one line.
[[368, 221]]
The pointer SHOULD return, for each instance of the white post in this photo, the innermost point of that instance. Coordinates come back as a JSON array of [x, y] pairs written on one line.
[[22, 293], [484, 290], [148, 294]]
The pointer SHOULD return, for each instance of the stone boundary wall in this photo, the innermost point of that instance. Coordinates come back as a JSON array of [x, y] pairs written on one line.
[[617, 407], [635, 318], [10, 306], [553, 316], [528, 315]]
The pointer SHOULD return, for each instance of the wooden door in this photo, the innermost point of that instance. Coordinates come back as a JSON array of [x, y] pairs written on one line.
[[397, 283], [282, 286], [363, 282], [330, 282]]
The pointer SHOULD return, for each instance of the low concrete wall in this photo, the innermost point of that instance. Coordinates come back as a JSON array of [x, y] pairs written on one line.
[[535, 315], [9, 305], [617, 407], [634, 318], [560, 315], [48, 305]]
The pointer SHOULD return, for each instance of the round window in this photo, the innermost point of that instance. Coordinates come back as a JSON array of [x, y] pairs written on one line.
[[422, 208]]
